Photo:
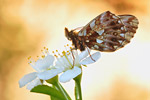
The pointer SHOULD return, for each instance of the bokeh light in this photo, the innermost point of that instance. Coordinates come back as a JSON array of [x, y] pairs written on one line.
[[26, 26]]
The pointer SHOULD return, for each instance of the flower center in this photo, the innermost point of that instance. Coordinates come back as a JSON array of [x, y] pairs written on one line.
[[65, 58], [64, 54]]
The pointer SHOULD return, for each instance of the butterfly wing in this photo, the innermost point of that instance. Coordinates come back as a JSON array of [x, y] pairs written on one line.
[[108, 32], [131, 24]]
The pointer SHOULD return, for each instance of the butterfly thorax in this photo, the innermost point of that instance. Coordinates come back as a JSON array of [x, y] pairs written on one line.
[[78, 42]]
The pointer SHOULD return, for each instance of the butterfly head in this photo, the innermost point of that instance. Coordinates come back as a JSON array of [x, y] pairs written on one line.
[[69, 34]]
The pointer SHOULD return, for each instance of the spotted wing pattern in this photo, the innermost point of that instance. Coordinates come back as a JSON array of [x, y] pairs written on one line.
[[108, 32]]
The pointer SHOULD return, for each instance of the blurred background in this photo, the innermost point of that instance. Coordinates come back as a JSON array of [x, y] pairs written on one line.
[[26, 26]]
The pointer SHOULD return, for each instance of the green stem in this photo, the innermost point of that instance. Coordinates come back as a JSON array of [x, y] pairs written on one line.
[[54, 81], [54, 98], [78, 92], [62, 90]]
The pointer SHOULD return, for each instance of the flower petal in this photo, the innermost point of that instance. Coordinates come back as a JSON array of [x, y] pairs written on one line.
[[61, 62], [70, 74], [44, 63], [84, 54], [90, 60], [34, 83], [27, 78], [76, 56], [49, 73]]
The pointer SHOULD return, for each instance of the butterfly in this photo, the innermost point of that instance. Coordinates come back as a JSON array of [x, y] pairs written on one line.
[[107, 32]]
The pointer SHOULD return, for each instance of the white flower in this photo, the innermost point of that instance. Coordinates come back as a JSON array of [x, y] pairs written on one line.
[[70, 64], [41, 65]]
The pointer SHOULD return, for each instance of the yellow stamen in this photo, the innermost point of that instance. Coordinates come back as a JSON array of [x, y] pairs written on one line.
[[29, 57], [68, 54], [64, 54], [56, 56], [43, 56]]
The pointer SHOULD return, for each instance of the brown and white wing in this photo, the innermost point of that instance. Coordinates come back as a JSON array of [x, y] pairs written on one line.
[[108, 32], [131, 24]]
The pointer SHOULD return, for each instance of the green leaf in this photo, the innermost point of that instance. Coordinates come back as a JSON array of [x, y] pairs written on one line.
[[53, 98], [44, 89]]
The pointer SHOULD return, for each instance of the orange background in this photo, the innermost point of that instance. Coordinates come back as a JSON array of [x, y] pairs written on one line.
[[26, 26]]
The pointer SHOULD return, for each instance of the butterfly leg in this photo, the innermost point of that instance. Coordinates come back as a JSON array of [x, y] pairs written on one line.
[[90, 54], [73, 57]]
